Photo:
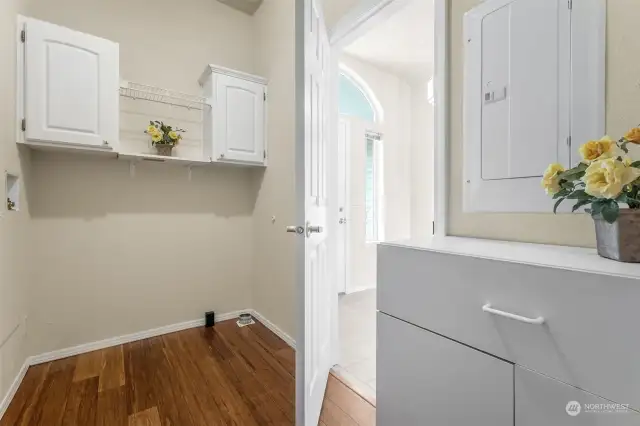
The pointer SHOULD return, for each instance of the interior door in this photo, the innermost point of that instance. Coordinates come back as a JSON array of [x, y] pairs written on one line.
[[71, 86], [319, 293], [240, 110], [342, 234]]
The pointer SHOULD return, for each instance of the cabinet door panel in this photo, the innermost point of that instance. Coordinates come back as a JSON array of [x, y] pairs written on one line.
[[426, 379], [240, 118], [541, 400], [71, 86]]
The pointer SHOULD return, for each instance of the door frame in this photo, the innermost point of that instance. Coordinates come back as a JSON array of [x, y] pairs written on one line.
[[366, 14]]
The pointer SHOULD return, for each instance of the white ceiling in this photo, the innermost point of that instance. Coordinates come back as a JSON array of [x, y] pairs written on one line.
[[402, 44]]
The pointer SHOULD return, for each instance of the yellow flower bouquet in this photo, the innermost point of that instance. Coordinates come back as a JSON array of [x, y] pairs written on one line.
[[603, 180], [163, 137]]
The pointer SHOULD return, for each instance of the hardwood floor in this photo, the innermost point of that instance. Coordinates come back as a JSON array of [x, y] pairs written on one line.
[[218, 376]]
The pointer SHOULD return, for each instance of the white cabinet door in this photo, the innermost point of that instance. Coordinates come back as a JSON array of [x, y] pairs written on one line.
[[427, 379], [71, 86], [239, 119], [544, 401]]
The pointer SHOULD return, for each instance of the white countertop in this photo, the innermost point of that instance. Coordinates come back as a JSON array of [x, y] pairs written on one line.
[[562, 257]]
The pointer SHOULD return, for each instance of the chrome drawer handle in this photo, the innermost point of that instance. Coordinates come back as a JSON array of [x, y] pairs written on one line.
[[536, 321]]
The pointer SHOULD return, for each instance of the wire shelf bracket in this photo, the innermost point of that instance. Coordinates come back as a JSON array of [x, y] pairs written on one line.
[[144, 92]]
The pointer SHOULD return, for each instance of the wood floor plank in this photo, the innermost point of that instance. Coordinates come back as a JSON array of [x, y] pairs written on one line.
[[112, 408], [82, 403], [50, 407], [148, 417], [112, 375], [89, 365], [21, 408], [224, 375]]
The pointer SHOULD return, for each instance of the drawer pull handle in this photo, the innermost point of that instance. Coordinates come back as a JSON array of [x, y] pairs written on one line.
[[535, 321]]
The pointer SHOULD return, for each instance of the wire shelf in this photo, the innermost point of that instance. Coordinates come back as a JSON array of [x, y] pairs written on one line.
[[144, 92]]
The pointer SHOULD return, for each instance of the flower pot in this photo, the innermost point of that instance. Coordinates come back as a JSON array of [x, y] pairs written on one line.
[[164, 149], [620, 240]]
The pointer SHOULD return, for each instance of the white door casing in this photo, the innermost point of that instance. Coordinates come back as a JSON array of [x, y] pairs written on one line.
[[319, 294], [240, 116], [71, 82], [342, 232]]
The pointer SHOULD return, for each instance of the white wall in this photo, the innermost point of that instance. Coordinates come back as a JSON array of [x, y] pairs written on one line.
[[422, 161], [394, 95], [274, 250], [15, 259], [116, 254]]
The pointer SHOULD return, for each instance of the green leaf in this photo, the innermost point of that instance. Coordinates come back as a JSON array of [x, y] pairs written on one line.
[[566, 185], [561, 193], [611, 211], [580, 194], [623, 146], [597, 205], [635, 164], [575, 173], [580, 204], [555, 206]]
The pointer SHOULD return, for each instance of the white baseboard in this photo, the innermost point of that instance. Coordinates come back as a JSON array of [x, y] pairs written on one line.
[[14, 388], [127, 338], [277, 331]]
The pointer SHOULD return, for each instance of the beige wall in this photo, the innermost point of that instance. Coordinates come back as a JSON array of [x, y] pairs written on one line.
[[334, 10], [117, 254], [15, 259], [274, 287], [623, 98]]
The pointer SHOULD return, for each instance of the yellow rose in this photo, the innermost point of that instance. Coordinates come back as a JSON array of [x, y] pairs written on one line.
[[550, 179], [152, 130], [156, 137], [606, 178], [174, 136], [633, 135], [597, 150]]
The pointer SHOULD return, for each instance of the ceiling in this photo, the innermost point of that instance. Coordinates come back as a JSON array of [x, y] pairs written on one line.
[[247, 6], [402, 44]]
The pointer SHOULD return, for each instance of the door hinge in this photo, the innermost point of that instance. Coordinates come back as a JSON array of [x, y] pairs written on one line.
[[24, 125], [570, 4], [23, 36], [265, 97], [569, 141]]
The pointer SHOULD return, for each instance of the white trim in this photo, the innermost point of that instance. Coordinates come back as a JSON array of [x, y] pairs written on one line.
[[127, 338], [217, 69], [366, 90], [441, 115], [274, 328], [13, 388]]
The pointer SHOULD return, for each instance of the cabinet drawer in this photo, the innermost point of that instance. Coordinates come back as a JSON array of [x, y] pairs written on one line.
[[588, 337], [544, 401], [426, 379]]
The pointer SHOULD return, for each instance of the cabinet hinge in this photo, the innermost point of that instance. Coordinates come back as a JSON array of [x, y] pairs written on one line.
[[23, 36], [265, 97], [569, 141], [24, 125], [570, 4], [264, 154]]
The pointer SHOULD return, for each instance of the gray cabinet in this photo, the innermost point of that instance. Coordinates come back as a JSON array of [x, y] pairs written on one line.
[[424, 378], [541, 400]]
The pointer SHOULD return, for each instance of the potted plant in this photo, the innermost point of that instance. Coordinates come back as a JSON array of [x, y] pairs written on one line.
[[605, 179], [164, 137]]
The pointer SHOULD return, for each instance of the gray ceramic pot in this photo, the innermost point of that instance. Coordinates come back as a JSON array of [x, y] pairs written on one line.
[[620, 240]]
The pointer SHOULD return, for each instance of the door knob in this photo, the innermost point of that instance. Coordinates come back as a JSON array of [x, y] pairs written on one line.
[[342, 220], [295, 230], [311, 229]]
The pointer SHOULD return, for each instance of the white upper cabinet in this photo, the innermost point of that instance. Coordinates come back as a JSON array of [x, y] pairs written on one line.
[[68, 86], [235, 127], [520, 113]]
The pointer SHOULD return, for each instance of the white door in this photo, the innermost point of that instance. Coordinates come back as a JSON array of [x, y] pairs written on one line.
[[71, 86], [314, 354], [240, 119], [342, 233]]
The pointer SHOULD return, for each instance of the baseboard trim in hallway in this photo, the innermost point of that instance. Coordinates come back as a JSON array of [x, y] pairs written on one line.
[[128, 338]]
